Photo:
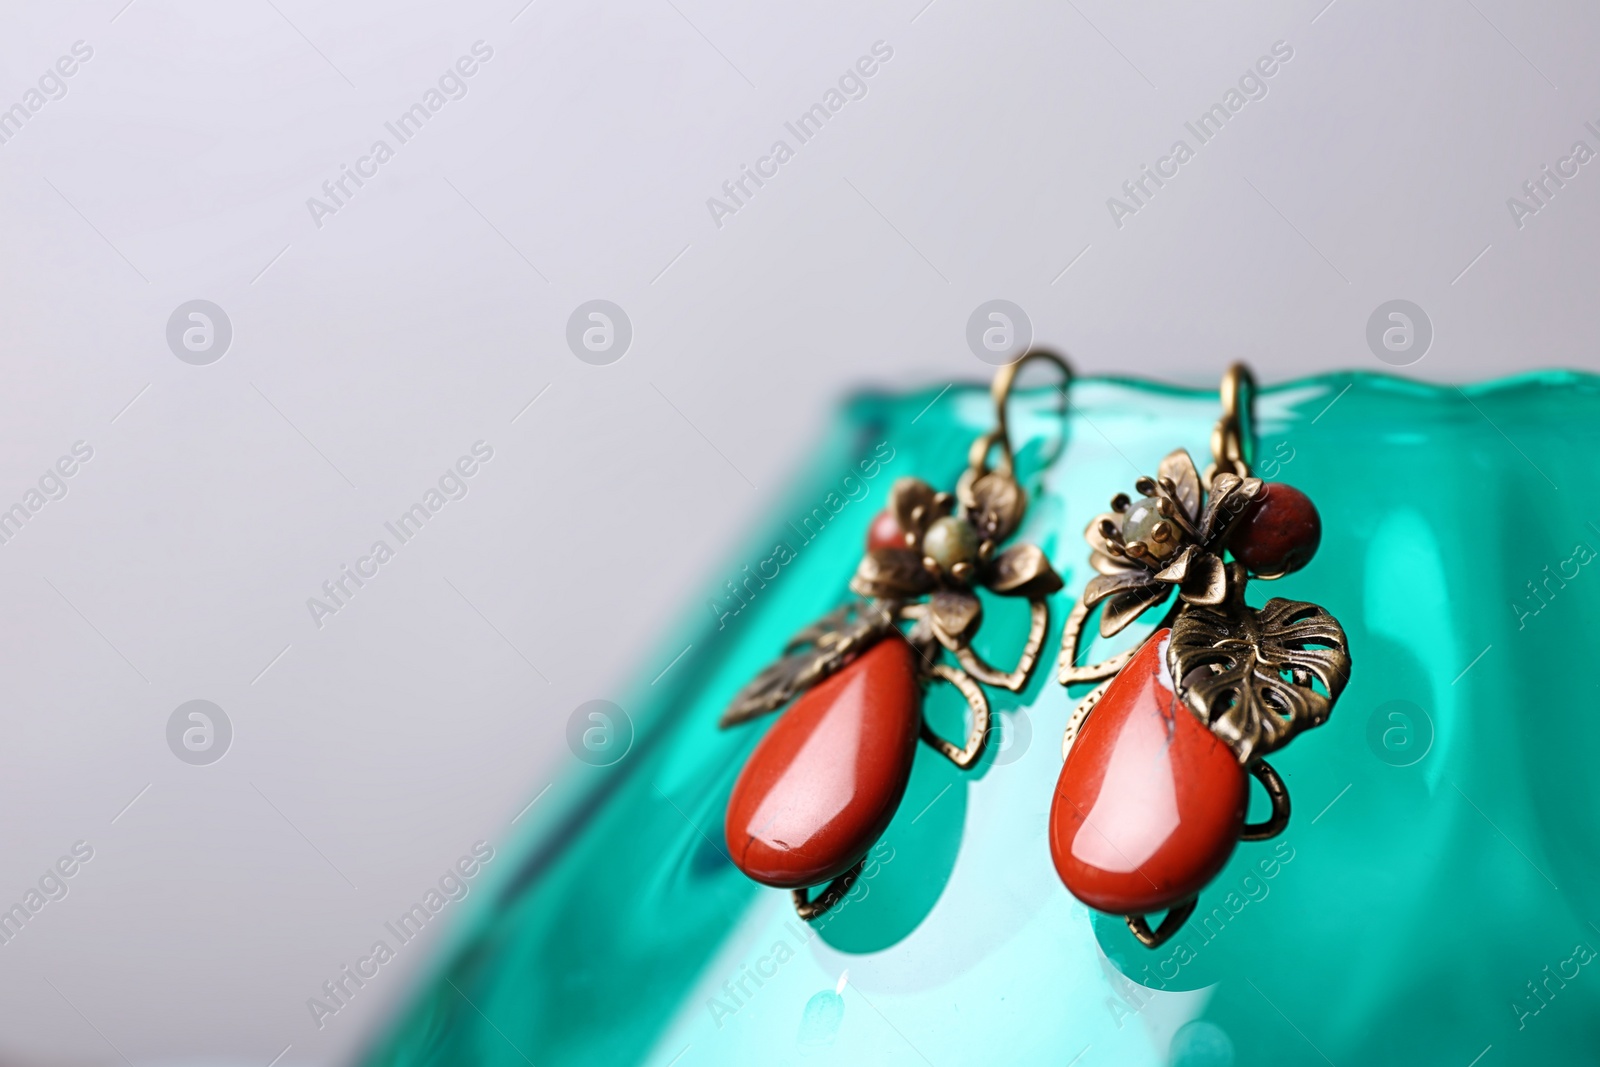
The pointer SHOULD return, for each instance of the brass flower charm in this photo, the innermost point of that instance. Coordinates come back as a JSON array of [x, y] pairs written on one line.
[[949, 549], [1170, 539]]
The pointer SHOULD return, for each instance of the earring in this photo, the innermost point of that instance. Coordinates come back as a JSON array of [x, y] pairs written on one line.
[[1154, 789], [823, 784]]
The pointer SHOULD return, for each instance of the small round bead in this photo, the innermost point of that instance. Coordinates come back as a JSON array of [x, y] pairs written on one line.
[[950, 541], [885, 531], [1279, 531], [1139, 523]]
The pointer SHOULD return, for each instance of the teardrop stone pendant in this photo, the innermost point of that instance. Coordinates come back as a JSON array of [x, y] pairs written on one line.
[[825, 781], [1150, 803]]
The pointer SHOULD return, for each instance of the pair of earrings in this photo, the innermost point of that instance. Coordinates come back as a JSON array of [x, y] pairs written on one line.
[[1154, 787]]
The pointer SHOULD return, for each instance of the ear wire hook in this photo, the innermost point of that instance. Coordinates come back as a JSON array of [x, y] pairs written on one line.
[[1233, 437], [1000, 390]]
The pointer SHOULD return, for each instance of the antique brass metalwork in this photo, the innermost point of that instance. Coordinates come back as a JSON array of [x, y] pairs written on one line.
[[939, 599], [1247, 673], [1233, 430], [1255, 677], [1278, 793], [1132, 579], [809, 908], [1174, 920], [810, 656]]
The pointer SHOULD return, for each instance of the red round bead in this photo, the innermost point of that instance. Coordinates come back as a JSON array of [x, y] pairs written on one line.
[[885, 531], [1279, 531], [1149, 804]]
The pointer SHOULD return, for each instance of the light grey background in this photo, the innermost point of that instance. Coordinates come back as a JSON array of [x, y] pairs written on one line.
[[371, 352]]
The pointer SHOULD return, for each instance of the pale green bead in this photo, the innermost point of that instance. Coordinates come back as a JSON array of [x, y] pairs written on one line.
[[1139, 524], [950, 541]]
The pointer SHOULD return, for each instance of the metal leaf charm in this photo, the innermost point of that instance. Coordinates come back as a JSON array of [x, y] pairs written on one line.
[[1129, 604], [956, 613], [997, 506], [1023, 570], [1229, 495], [1207, 580], [1099, 543], [814, 653], [915, 504], [1178, 570], [891, 574], [1103, 585], [1178, 468], [1248, 673]]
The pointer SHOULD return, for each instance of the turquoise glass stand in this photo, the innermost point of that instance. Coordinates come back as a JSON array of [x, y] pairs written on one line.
[[1434, 899]]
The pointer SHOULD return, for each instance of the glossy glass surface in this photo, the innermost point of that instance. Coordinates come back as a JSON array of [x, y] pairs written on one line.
[[1432, 898], [1150, 803], [826, 779]]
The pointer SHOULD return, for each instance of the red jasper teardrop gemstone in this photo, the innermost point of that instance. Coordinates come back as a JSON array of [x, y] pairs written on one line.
[[1149, 804], [823, 784]]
